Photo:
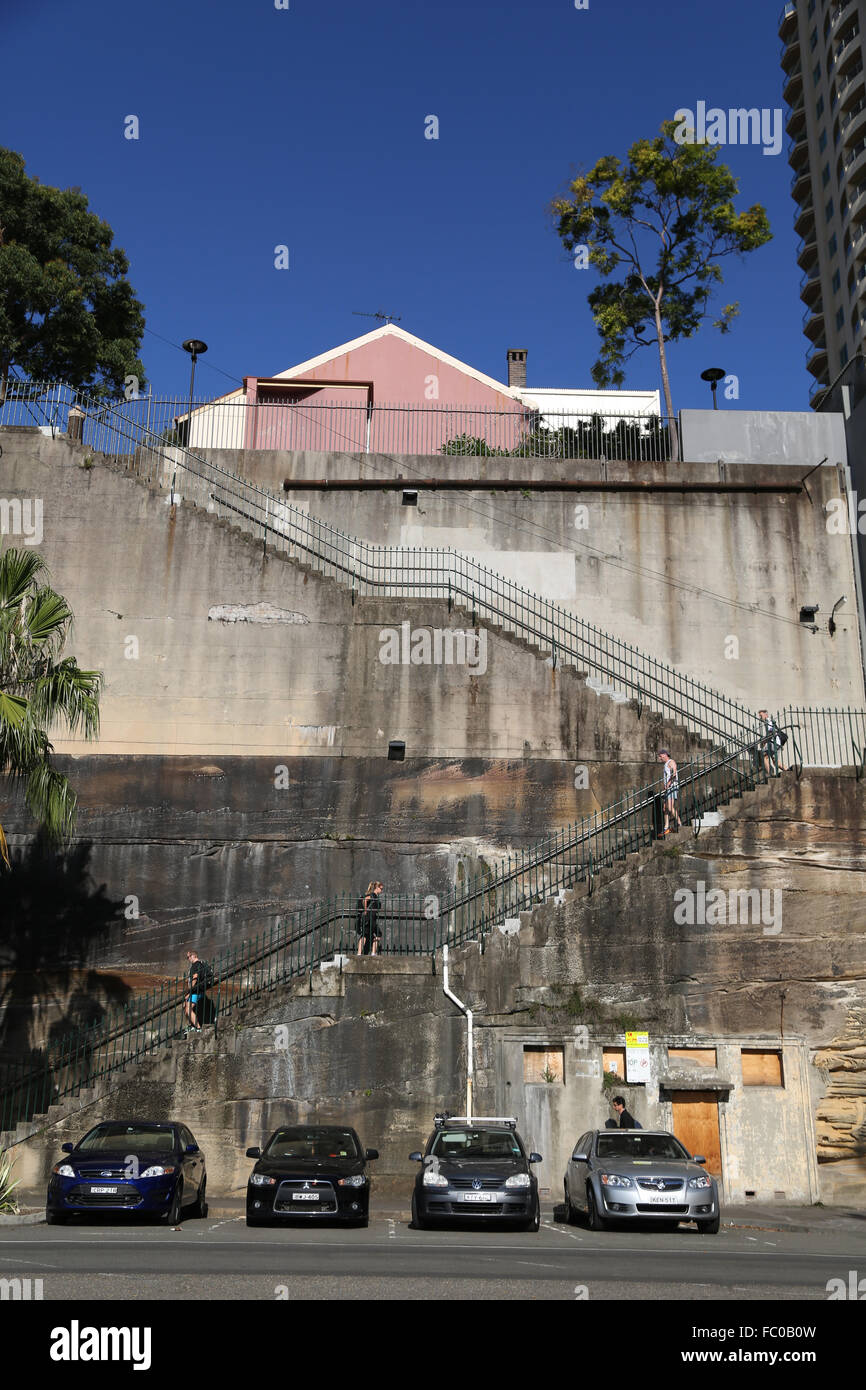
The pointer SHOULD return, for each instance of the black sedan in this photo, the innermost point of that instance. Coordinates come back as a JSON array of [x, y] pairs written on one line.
[[476, 1169], [639, 1174], [130, 1166], [310, 1171]]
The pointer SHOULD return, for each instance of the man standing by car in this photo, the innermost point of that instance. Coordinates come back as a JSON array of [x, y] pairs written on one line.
[[626, 1121]]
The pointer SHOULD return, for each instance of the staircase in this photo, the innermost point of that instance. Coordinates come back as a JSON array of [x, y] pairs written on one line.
[[80, 1065]]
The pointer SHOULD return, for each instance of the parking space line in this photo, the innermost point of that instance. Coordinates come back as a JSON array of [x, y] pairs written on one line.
[[560, 1232]]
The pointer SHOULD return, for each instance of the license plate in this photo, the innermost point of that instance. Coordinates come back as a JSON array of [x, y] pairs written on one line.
[[305, 1196], [103, 1189], [665, 1201], [478, 1196]]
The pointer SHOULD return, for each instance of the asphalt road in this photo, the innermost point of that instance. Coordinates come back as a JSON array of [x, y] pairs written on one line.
[[99, 1258]]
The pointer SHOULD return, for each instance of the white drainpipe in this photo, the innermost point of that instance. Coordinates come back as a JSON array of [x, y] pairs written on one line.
[[469, 1042]]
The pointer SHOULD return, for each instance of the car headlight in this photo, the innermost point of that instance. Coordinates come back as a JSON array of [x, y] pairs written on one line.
[[616, 1180], [357, 1180], [262, 1180], [157, 1170], [702, 1181], [64, 1170], [432, 1179], [517, 1180]]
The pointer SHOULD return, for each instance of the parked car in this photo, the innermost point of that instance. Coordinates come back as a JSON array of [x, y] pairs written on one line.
[[310, 1171], [475, 1169], [130, 1166], [638, 1174]]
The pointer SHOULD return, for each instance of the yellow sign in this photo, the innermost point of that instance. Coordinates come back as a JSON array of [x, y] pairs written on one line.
[[637, 1039]]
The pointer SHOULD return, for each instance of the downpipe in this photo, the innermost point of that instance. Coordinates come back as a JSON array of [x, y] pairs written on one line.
[[469, 1035]]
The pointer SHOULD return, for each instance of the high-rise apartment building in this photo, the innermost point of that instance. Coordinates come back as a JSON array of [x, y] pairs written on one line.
[[825, 88]]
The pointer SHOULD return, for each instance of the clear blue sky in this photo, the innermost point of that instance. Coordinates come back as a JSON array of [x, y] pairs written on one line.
[[305, 127]]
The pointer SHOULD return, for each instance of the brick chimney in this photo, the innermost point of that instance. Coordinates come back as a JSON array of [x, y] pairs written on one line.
[[516, 366]]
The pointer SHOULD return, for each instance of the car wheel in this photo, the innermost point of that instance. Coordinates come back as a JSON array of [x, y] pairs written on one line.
[[417, 1223], [594, 1219], [55, 1218], [172, 1216], [535, 1223], [569, 1209], [710, 1228], [199, 1206]]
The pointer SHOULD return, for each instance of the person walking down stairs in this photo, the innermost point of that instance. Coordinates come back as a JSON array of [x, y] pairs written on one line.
[[671, 792]]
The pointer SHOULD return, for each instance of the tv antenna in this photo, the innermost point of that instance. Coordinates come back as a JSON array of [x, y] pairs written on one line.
[[384, 318]]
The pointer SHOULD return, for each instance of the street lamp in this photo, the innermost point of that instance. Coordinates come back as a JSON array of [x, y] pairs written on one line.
[[713, 375], [196, 348]]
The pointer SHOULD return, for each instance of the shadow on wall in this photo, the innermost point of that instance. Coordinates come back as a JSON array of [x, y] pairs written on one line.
[[54, 921]]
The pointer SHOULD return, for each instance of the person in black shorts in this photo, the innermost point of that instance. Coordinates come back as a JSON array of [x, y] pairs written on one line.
[[366, 922]]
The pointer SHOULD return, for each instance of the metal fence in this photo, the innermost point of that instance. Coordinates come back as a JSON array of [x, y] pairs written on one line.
[[349, 426], [409, 925], [824, 738]]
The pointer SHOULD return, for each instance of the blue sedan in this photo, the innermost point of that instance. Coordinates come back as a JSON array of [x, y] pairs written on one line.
[[130, 1166]]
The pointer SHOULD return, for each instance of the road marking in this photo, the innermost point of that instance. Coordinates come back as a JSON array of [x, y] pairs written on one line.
[[392, 1228], [558, 1231], [428, 1244]]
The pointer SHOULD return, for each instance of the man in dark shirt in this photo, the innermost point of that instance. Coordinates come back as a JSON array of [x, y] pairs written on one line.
[[194, 996], [626, 1121]]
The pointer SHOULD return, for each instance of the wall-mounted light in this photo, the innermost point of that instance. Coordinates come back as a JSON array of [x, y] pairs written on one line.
[[831, 626]]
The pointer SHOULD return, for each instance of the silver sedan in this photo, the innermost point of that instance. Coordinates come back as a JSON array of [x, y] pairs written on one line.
[[639, 1175]]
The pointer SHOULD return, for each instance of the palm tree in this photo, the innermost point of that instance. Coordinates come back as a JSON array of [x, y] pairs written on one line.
[[39, 688]]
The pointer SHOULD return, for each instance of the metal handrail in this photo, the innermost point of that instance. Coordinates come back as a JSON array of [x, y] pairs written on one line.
[[409, 925], [369, 569]]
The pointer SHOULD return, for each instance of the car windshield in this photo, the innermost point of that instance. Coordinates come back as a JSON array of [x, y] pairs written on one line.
[[476, 1143], [312, 1143], [141, 1138], [646, 1146]]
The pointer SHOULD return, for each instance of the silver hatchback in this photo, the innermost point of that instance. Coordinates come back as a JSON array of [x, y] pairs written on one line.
[[639, 1175]]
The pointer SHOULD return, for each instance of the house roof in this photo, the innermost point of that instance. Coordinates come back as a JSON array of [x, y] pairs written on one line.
[[392, 330]]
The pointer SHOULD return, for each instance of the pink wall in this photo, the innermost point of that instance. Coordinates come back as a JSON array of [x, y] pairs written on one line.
[[446, 401]]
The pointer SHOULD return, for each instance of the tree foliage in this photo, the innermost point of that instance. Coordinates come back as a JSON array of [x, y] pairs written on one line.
[[39, 689], [660, 223], [67, 310]]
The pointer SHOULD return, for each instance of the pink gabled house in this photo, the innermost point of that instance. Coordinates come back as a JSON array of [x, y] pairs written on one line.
[[387, 391]]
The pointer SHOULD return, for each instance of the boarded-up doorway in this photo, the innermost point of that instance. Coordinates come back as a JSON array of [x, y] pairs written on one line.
[[696, 1125]]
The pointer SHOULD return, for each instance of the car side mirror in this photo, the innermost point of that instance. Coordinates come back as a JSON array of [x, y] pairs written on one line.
[[535, 1158], [254, 1153], [67, 1148], [191, 1149], [579, 1158], [698, 1158], [416, 1157], [371, 1153]]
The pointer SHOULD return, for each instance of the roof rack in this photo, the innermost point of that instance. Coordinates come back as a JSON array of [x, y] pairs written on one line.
[[508, 1120]]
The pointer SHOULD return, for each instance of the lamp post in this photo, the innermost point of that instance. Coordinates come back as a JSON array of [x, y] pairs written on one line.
[[713, 375], [196, 348]]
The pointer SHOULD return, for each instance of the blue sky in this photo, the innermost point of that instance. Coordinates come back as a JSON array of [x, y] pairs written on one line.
[[305, 127]]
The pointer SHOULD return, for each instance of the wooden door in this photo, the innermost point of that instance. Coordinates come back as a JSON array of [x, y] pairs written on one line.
[[696, 1125]]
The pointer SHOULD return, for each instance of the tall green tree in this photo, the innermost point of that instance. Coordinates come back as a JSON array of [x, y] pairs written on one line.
[[39, 689], [67, 310], [660, 223]]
